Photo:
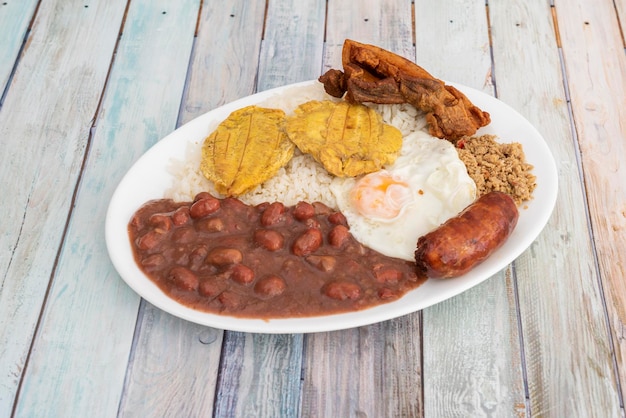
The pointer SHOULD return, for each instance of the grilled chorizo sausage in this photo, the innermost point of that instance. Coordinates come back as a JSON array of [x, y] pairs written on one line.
[[468, 239]]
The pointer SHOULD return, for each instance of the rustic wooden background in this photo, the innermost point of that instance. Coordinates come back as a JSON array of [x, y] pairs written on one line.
[[88, 86]]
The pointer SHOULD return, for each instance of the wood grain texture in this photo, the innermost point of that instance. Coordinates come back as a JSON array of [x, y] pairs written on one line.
[[136, 111], [44, 126], [597, 77], [172, 369], [219, 75], [14, 20], [294, 39], [373, 370], [560, 300], [367, 371], [259, 376], [479, 373]]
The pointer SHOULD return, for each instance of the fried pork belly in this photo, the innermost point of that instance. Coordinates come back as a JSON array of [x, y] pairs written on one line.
[[372, 74]]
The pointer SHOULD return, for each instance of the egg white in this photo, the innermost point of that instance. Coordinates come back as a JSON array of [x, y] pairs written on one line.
[[438, 186]]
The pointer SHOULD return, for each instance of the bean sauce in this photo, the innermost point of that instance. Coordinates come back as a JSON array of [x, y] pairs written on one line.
[[265, 261]]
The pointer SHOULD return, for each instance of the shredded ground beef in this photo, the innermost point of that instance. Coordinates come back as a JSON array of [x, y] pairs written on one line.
[[496, 166]]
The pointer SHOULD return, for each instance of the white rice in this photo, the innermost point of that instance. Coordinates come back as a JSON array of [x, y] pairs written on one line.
[[302, 179]]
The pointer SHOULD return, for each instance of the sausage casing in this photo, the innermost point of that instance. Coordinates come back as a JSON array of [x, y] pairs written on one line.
[[468, 239]]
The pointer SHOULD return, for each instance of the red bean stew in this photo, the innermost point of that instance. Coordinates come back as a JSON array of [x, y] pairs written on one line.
[[265, 261]]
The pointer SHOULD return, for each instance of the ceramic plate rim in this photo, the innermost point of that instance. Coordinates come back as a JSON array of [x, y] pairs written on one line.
[[149, 174]]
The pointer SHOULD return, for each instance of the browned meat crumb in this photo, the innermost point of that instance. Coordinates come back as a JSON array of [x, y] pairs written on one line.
[[497, 167]]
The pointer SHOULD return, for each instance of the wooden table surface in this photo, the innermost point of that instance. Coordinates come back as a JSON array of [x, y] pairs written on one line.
[[88, 86]]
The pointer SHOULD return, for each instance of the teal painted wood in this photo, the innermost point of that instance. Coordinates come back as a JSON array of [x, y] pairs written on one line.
[[185, 383], [80, 354], [373, 370], [568, 285], [14, 20], [44, 126]]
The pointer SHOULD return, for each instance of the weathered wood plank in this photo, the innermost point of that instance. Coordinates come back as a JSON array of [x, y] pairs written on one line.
[[597, 78], [137, 110], [216, 76], [373, 370], [44, 126], [261, 373], [14, 20], [384, 23], [479, 371], [219, 75], [560, 300], [367, 371]]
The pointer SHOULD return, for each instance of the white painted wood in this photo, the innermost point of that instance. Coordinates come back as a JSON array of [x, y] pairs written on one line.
[[14, 20], [593, 50], [44, 126], [386, 24], [472, 361], [367, 371], [81, 350]]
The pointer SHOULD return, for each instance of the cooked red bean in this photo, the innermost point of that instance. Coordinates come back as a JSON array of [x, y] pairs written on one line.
[[202, 195], [182, 235], [273, 214], [321, 209], [197, 256], [338, 235], [209, 288], [224, 256], [183, 278], [337, 218], [385, 293], [160, 221], [342, 290], [204, 207], [311, 269], [270, 286], [324, 263], [180, 216], [230, 300], [308, 242], [153, 261], [388, 275], [211, 225], [242, 274], [150, 240], [269, 239], [312, 223], [303, 211]]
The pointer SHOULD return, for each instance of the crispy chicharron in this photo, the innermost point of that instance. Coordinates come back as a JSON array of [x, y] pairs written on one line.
[[372, 74]]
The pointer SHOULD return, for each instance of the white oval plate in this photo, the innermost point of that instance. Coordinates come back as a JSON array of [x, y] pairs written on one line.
[[148, 179]]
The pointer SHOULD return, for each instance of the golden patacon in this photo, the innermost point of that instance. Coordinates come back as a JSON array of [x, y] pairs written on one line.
[[246, 149], [348, 139]]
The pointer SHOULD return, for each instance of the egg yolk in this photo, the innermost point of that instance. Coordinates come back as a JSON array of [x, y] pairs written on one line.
[[380, 195]]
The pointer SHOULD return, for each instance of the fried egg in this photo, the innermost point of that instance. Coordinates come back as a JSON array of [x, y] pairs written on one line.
[[390, 209]]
